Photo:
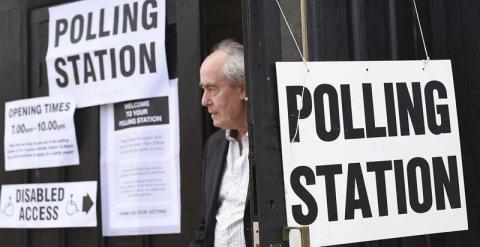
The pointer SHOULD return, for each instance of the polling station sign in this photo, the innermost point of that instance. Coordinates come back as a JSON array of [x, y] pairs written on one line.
[[107, 51], [48, 205], [371, 150], [40, 133]]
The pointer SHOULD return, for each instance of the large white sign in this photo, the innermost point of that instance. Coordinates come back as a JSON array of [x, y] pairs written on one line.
[[39, 133], [51, 205], [371, 150], [140, 166], [107, 51]]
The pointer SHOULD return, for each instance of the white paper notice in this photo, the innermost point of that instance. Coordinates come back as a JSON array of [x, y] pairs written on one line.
[[107, 51], [49, 205], [376, 152], [39, 133], [140, 166]]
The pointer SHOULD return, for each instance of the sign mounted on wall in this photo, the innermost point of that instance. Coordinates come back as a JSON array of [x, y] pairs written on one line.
[[52, 205], [107, 51], [371, 150], [140, 166], [40, 133]]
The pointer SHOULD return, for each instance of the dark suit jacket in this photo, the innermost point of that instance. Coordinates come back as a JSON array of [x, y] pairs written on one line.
[[214, 161]]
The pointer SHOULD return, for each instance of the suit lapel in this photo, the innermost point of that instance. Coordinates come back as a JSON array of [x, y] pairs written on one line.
[[217, 167]]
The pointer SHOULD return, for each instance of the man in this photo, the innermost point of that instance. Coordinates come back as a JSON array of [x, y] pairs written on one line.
[[225, 166]]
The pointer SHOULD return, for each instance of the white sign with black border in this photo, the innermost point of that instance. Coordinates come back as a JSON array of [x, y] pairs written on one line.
[[49, 205], [376, 152]]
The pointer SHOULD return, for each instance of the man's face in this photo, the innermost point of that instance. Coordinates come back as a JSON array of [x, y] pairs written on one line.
[[225, 101]]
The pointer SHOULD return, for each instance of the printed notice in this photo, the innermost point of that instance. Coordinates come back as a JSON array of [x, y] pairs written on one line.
[[107, 51], [370, 150], [39, 133], [140, 166], [51, 205]]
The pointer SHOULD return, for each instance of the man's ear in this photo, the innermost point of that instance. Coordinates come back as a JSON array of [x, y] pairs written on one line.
[[243, 93]]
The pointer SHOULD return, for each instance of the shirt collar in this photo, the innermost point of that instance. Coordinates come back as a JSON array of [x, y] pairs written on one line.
[[231, 135]]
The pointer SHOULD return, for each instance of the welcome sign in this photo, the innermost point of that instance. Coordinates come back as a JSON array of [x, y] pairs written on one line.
[[371, 150], [107, 51]]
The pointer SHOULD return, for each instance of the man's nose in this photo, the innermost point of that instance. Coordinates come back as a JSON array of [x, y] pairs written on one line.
[[205, 99]]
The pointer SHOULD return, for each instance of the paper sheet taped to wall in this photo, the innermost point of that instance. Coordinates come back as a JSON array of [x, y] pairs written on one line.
[[140, 168]]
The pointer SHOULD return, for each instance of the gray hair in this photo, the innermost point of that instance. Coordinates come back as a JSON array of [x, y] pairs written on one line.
[[233, 68]]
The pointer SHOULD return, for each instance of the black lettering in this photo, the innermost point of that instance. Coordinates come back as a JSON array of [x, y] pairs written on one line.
[[60, 29], [329, 171], [21, 214], [28, 213], [349, 131], [115, 20], [123, 62], [41, 213], [19, 195], [100, 54], [49, 213], [295, 114], [40, 195], [130, 18], [101, 24], [113, 63], [55, 213], [442, 110], [390, 108], [147, 57], [61, 194], [27, 195], [48, 193], [407, 108], [35, 213], [73, 60], [323, 134], [53, 193], [61, 72], [89, 71], [33, 196], [379, 167], [89, 27], [400, 187], [371, 129], [77, 23], [304, 195], [412, 166], [355, 179], [153, 15], [449, 182]]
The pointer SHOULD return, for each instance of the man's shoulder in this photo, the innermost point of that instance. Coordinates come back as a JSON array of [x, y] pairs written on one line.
[[218, 136], [216, 144]]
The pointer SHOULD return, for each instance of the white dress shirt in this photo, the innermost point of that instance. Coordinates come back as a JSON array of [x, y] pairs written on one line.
[[229, 230]]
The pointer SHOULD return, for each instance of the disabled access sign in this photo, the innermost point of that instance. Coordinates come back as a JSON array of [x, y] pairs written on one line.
[[49, 205]]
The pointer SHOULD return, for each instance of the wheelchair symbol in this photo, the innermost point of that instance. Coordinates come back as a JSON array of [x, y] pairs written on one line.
[[8, 209], [71, 207]]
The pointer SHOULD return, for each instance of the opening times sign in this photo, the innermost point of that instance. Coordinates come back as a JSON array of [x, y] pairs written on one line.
[[371, 150], [107, 51], [40, 133]]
